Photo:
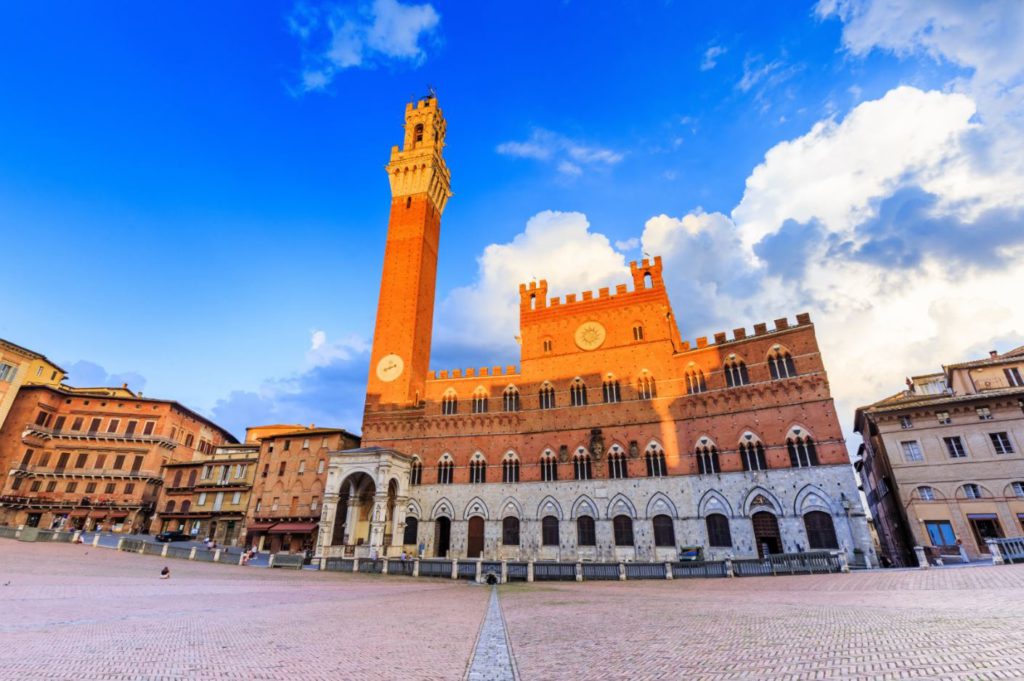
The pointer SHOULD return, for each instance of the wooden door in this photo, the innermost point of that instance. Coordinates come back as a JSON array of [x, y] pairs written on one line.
[[766, 533], [475, 545]]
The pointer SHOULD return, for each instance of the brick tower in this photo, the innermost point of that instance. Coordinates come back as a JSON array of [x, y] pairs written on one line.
[[420, 187]]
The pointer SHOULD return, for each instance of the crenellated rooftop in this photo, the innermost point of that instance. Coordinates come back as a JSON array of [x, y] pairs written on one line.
[[740, 334], [482, 372]]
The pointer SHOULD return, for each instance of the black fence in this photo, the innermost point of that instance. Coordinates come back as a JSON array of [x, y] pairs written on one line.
[[339, 564], [599, 571], [436, 568], [562, 572]]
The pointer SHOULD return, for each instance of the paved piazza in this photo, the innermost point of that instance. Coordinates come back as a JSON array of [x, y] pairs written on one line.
[[77, 612]]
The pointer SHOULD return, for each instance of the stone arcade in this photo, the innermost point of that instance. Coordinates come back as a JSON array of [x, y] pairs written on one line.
[[614, 439]]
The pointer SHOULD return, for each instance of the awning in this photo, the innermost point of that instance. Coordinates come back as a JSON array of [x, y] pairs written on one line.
[[259, 527], [118, 516], [78, 514], [293, 528]]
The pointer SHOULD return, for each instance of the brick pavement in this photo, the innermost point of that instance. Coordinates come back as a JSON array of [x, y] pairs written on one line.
[[82, 613], [75, 612], [936, 624]]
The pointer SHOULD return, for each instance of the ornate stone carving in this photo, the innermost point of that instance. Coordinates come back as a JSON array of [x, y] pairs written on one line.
[[596, 444], [634, 449], [563, 454]]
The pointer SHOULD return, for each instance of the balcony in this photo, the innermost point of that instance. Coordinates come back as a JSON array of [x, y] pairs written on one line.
[[39, 433], [23, 471]]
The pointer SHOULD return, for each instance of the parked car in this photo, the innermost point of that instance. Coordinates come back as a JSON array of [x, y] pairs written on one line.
[[172, 536]]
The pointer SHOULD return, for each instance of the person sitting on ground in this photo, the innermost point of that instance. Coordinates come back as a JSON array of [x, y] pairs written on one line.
[[165, 573]]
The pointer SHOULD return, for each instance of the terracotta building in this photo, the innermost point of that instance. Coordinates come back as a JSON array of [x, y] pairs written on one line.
[[20, 366], [209, 496], [288, 487], [943, 461], [92, 457], [612, 439]]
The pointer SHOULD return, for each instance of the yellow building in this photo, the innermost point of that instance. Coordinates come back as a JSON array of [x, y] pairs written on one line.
[[20, 366]]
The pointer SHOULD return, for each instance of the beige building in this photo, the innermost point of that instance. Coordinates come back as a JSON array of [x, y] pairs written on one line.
[[208, 496], [943, 461], [20, 366]]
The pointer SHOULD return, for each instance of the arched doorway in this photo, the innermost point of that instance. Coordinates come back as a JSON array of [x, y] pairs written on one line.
[[821, 531], [355, 511], [766, 533], [442, 536], [475, 544]]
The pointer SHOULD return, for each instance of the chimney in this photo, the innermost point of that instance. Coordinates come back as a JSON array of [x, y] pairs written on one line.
[[124, 386], [992, 354]]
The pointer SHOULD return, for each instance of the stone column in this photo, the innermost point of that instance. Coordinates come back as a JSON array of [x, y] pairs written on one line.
[[378, 521], [993, 548], [922, 559], [351, 514]]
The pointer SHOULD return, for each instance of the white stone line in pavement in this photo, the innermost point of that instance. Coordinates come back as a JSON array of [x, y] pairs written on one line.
[[492, 656]]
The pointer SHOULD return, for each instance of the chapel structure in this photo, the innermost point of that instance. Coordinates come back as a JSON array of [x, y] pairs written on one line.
[[614, 438]]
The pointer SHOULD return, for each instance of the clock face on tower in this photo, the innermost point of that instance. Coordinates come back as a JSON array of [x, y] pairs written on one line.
[[390, 367]]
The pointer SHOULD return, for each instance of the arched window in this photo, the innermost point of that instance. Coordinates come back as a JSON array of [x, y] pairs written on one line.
[[170, 506], [177, 478], [533, 301], [780, 364], [444, 472], [510, 531], [192, 478], [547, 345], [638, 332], [416, 472], [718, 530], [611, 391], [477, 470], [752, 456], [695, 382], [549, 530], [412, 526], [585, 534], [418, 132], [547, 396], [548, 467], [802, 453], [185, 506], [655, 460], [617, 468], [707, 459], [1017, 488], [926, 493], [450, 403], [578, 393], [480, 401], [581, 466], [510, 398], [736, 373], [664, 531], [622, 525], [648, 280], [510, 468], [821, 532], [971, 491], [645, 389]]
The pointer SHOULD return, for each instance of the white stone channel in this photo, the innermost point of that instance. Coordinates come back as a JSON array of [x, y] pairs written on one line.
[[492, 656]]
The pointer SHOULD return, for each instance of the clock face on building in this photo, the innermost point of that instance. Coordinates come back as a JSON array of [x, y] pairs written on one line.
[[590, 335], [390, 367]]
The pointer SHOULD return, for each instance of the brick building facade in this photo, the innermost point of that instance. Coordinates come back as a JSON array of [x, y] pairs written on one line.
[[613, 439], [89, 458]]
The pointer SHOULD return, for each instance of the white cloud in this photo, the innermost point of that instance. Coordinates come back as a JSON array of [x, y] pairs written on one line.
[[336, 37], [569, 156], [711, 56], [558, 247], [628, 245], [323, 352]]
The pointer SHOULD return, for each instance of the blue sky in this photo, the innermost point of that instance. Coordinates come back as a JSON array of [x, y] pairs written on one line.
[[192, 197]]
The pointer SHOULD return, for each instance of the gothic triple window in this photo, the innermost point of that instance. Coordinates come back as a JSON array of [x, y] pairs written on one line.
[[611, 391], [578, 393], [752, 456], [617, 468], [655, 460], [780, 364], [582, 467], [444, 472], [450, 403], [736, 373], [707, 459], [510, 469], [477, 471], [547, 396], [802, 453], [645, 388], [510, 399], [695, 382], [548, 467], [480, 401]]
